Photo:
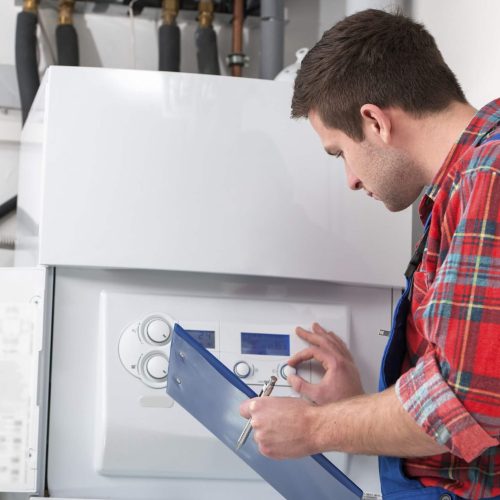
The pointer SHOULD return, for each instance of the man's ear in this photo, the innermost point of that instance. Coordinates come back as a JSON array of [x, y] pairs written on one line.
[[376, 123]]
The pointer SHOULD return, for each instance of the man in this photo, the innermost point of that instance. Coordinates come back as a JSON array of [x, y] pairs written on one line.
[[378, 93]]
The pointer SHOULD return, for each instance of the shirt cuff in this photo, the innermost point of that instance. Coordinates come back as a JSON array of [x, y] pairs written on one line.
[[428, 399]]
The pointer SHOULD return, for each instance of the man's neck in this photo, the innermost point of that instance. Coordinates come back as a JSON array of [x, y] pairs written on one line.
[[434, 136], [428, 140]]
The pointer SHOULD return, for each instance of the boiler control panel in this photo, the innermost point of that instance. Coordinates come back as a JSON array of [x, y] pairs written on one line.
[[252, 351], [139, 427]]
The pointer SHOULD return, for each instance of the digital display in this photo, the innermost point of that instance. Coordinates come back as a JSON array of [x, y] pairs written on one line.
[[205, 337], [268, 344]]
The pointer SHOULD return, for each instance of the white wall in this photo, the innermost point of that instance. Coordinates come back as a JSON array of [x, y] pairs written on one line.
[[467, 34]]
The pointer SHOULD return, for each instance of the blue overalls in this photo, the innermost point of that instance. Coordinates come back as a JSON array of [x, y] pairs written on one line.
[[395, 485], [393, 481]]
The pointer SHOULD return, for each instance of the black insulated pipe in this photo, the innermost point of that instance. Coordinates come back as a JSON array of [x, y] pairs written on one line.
[[206, 40], [170, 47], [26, 61], [206, 51], [169, 36], [66, 36], [67, 45], [28, 79]]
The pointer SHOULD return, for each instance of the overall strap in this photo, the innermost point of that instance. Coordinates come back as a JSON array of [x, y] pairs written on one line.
[[419, 252]]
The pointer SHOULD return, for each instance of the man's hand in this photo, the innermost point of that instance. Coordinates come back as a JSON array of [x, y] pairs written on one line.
[[341, 379], [375, 424], [282, 427]]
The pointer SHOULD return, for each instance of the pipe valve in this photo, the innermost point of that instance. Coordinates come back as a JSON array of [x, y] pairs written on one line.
[[205, 13], [66, 8], [170, 10], [30, 6]]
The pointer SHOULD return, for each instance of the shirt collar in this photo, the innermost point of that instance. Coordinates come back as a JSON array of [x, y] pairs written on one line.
[[479, 128]]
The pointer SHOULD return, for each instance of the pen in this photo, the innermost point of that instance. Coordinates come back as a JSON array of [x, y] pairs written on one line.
[[266, 391]]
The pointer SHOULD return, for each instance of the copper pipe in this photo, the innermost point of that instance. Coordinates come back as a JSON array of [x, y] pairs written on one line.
[[66, 8], [170, 10], [30, 6], [205, 13], [238, 18]]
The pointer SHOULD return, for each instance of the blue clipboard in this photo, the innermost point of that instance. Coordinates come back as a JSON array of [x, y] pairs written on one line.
[[212, 393]]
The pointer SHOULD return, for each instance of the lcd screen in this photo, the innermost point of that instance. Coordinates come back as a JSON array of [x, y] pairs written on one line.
[[205, 337], [268, 344]]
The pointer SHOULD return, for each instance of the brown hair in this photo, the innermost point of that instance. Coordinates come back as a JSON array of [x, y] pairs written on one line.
[[373, 57]]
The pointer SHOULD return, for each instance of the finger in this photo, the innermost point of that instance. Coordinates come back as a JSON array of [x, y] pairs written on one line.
[[302, 387], [302, 332], [310, 337], [328, 359], [341, 346], [329, 354], [325, 341], [245, 409], [314, 338], [316, 327], [300, 357], [333, 338]]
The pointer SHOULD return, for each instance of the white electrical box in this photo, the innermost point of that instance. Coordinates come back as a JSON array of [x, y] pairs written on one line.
[[186, 172]]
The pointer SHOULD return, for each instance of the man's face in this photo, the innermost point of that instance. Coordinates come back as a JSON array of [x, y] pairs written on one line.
[[385, 173]]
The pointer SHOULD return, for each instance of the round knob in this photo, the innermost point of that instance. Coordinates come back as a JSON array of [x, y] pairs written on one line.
[[157, 367], [286, 371], [242, 369], [158, 331]]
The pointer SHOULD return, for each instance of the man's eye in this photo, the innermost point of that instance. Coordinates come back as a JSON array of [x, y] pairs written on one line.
[[336, 154]]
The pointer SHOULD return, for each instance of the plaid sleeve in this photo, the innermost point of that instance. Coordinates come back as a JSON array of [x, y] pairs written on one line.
[[453, 392]]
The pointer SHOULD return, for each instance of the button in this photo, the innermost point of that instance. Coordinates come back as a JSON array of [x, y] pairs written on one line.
[[445, 497], [286, 370], [158, 331], [157, 367], [242, 369]]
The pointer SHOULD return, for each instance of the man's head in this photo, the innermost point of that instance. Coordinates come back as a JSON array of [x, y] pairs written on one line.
[[368, 71]]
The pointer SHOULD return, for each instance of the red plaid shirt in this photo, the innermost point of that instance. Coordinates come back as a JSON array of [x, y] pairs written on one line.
[[451, 375]]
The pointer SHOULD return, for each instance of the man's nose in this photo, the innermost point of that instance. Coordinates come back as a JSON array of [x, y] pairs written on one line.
[[352, 181]]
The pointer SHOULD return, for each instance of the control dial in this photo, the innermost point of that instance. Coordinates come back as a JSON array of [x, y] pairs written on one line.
[[287, 370], [242, 369], [157, 367], [157, 330]]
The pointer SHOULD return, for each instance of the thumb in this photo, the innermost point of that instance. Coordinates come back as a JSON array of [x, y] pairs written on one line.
[[245, 409], [300, 385]]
